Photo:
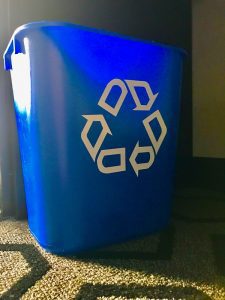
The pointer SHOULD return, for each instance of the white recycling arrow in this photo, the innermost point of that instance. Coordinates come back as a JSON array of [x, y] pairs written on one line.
[[112, 169], [132, 84], [102, 101], [142, 166], [93, 150], [155, 142]]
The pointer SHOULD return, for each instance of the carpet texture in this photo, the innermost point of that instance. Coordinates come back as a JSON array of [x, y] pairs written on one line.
[[185, 261]]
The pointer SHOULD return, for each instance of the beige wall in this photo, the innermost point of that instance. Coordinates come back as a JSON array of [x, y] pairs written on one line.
[[209, 78]]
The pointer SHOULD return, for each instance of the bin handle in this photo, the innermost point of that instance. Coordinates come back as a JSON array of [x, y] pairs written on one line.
[[15, 46]]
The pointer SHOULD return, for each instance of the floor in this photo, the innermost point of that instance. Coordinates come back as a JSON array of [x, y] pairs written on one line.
[[185, 261]]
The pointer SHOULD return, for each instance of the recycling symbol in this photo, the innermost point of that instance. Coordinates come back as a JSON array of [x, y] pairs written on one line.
[[98, 154]]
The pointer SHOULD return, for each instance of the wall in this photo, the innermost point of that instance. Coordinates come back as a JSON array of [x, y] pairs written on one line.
[[159, 20], [209, 78]]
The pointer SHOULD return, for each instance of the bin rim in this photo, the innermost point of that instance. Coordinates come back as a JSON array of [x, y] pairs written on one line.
[[39, 24]]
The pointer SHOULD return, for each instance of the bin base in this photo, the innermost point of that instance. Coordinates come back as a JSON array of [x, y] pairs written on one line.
[[83, 250]]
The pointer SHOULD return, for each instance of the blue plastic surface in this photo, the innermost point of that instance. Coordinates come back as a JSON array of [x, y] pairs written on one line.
[[97, 116]]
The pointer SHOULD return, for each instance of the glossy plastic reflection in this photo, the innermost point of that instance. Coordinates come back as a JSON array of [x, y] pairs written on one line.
[[97, 117]]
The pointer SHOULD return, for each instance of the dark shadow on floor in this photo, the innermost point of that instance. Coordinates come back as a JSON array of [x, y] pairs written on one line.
[[93, 292], [38, 264]]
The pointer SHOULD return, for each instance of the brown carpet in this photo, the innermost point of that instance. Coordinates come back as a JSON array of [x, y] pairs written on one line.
[[185, 261]]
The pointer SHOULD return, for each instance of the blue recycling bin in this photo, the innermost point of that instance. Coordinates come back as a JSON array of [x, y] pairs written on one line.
[[97, 117]]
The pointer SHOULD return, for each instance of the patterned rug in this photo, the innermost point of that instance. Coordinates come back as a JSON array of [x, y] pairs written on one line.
[[185, 261]]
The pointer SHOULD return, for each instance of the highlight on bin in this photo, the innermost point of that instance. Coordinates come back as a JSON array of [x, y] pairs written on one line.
[[22, 81]]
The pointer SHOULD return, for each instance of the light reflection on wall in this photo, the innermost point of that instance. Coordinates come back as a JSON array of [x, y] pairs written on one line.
[[21, 80]]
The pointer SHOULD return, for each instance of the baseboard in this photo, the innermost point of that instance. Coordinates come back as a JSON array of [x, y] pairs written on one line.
[[200, 172]]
